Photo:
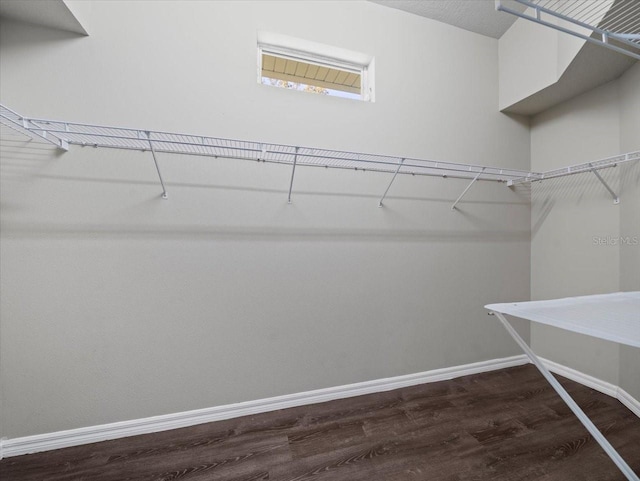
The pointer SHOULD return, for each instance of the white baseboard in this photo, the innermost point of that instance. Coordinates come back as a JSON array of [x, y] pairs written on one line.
[[594, 383], [629, 401], [104, 432], [582, 378]]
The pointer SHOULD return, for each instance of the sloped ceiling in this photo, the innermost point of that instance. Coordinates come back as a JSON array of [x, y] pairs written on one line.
[[592, 66], [479, 16]]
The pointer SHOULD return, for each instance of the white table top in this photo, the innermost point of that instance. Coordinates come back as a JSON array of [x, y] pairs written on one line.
[[614, 317]]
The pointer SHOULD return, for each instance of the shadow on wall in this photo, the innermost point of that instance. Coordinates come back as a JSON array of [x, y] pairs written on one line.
[[38, 35], [26, 162], [28, 158], [25, 158], [630, 178], [238, 188], [573, 189], [44, 230]]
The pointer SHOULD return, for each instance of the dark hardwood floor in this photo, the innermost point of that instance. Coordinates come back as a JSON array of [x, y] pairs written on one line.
[[503, 425]]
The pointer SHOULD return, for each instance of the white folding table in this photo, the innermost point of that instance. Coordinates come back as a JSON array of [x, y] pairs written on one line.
[[614, 317]]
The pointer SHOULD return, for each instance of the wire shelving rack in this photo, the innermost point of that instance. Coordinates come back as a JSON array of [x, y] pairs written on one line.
[[613, 24], [62, 134]]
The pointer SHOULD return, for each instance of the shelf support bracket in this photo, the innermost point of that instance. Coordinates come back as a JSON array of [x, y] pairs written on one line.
[[41, 132], [392, 179], [616, 199], [468, 187], [155, 161], [293, 173]]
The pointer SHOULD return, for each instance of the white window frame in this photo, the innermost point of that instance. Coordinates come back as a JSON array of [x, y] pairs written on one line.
[[320, 54]]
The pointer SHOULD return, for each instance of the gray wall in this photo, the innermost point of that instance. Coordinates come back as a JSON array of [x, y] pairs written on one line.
[[630, 211], [533, 57], [576, 246], [118, 305], [630, 218]]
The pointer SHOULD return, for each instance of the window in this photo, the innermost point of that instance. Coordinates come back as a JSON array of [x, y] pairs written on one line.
[[289, 72], [306, 66]]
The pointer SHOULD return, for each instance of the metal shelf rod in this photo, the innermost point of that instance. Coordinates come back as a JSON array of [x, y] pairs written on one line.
[[23, 128], [465, 190], [63, 133], [616, 199], [457, 168], [572, 20], [437, 165], [391, 182], [604, 42], [61, 143], [293, 173], [340, 155], [579, 168], [155, 161]]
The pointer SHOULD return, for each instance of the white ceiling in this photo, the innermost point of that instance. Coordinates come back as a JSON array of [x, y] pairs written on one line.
[[49, 13], [479, 16]]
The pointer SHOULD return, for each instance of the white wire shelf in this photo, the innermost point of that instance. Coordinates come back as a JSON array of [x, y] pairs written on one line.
[[579, 168], [63, 133], [613, 24], [587, 167]]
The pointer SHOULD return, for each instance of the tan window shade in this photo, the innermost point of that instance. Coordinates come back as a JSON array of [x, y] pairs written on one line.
[[299, 71]]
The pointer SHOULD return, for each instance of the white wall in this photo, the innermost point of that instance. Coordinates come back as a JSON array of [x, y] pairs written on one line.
[[528, 61], [118, 305], [576, 228]]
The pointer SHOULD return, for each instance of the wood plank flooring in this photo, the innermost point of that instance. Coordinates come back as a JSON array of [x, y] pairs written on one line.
[[502, 425]]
